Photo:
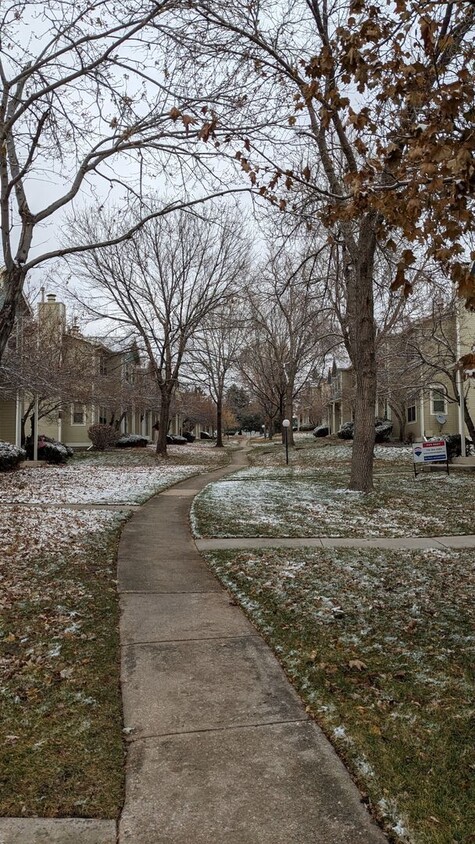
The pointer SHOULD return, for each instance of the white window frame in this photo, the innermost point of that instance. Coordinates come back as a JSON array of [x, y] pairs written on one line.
[[443, 396], [73, 412]]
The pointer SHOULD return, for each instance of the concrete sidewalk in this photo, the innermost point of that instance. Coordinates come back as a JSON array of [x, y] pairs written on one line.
[[221, 749]]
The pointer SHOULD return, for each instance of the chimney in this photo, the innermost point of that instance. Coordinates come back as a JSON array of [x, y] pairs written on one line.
[[52, 316]]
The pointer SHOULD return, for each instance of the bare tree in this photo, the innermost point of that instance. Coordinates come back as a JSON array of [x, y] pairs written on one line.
[[373, 132], [47, 368], [160, 286], [216, 352], [291, 331], [90, 106]]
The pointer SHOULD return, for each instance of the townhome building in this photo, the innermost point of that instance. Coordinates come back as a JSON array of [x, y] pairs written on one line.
[[61, 382], [421, 387]]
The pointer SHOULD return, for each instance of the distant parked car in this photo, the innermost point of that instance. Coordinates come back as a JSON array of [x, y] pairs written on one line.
[[321, 431]]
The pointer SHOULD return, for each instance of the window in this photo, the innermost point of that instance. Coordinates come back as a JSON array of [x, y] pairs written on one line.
[[411, 413], [438, 402], [78, 414], [103, 365], [102, 416]]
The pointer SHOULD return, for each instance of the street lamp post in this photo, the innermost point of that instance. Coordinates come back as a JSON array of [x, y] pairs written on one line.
[[286, 425]]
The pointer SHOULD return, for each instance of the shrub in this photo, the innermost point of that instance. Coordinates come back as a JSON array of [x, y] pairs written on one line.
[[131, 441], [48, 449], [10, 456], [453, 442], [320, 431], [383, 430], [103, 436], [346, 431]]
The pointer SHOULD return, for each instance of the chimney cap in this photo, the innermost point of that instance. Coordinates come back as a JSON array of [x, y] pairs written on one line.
[[51, 297]]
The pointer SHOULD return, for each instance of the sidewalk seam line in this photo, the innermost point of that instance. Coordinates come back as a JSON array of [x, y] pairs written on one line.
[[197, 639], [231, 727]]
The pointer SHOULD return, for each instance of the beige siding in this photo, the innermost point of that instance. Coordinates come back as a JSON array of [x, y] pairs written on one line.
[[7, 420]]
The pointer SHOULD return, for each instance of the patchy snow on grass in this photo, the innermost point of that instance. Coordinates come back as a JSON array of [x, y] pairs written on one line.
[[280, 502], [26, 534], [380, 644], [89, 484]]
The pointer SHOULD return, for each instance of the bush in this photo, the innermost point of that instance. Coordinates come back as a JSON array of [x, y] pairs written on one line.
[[10, 456], [305, 428], [383, 429], [175, 439], [48, 449], [346, 431], [321, 431], [453, 442], [132, 441], [103, 436], [189, 437]]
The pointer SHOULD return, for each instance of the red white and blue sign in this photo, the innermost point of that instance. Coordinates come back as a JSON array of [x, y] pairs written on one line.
[[429, 452]]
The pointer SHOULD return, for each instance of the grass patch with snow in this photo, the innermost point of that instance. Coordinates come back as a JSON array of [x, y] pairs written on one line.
[[310, 498], [61, 743], [380, 645]]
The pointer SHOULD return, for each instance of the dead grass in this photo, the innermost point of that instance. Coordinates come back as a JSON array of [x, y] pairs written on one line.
[[380, 645], [61, 741], [61, 751]]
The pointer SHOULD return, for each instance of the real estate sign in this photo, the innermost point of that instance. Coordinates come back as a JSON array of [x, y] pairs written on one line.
[[434, 451]]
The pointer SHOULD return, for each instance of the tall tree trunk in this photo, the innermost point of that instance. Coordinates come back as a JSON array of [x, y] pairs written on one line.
[[13, 281], [219, 422], [469, 424], [289, 412], [362, 348], [163, 423]]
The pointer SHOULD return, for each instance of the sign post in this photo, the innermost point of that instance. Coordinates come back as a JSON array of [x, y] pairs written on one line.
[[433, 451]]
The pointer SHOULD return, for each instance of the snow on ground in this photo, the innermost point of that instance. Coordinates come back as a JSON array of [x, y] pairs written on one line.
[[26, 534], [311, 501], [89, 484]]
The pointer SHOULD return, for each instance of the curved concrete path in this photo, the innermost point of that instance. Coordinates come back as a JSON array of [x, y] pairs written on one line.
[[221, 749]]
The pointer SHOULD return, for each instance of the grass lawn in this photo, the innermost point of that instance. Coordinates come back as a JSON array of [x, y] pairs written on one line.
[[380, 644], [61, 741], [310, 498]]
